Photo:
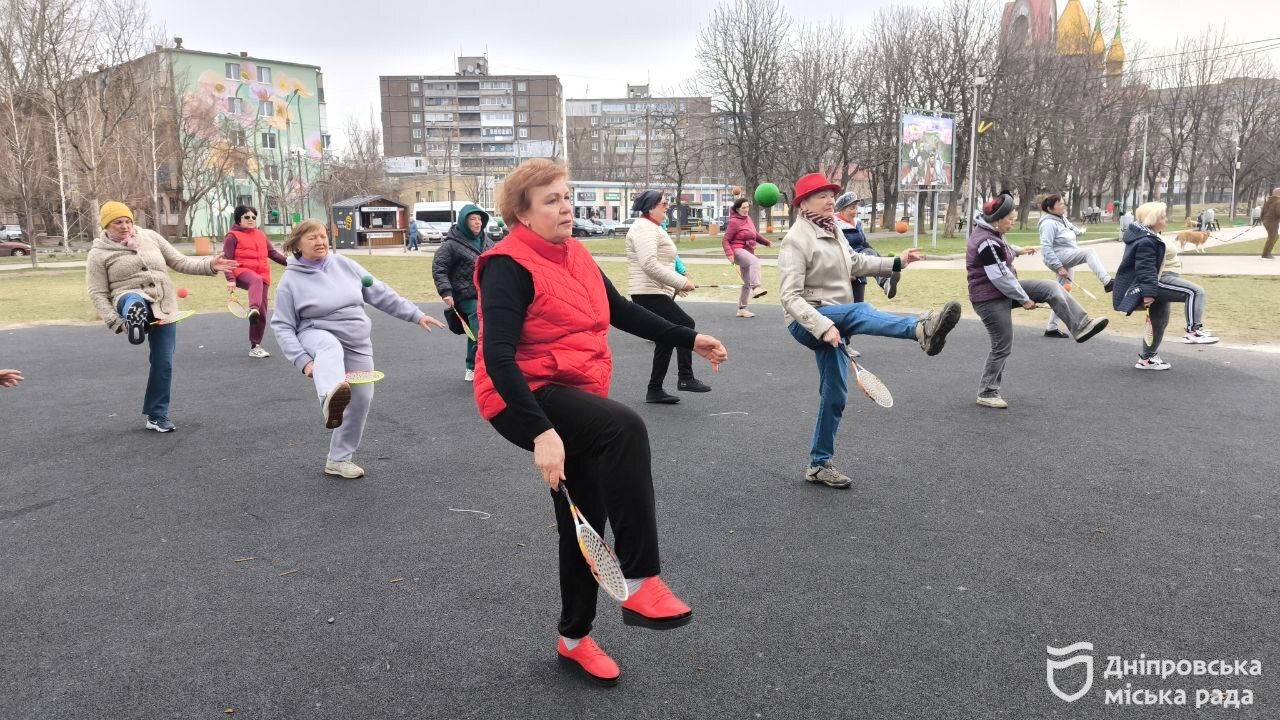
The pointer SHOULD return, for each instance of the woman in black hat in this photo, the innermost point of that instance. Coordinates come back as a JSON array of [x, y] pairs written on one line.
[[994, 290], [654, 283]]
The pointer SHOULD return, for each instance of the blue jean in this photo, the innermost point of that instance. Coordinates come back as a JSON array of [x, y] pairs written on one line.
[[163, 340], [833, 364]]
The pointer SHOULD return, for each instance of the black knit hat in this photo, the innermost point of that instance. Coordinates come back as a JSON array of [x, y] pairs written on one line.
[[997, 207], [646, 201]]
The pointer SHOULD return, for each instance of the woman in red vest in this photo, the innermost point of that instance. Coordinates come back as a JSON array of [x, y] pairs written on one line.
[[249, 246], [542, 381]]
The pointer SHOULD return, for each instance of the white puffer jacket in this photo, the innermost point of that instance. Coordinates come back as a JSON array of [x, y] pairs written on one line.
[[651, 260]]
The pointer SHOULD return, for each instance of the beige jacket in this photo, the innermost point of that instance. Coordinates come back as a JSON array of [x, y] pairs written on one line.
[[651, 260], [114, 270], [816, 268]]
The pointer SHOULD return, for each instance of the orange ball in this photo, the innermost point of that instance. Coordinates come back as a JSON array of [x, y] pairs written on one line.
[[902, 227], [1066, 286], [182, 292]]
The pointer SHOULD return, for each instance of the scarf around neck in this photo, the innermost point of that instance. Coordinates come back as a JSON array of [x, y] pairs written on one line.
[[825, 222]]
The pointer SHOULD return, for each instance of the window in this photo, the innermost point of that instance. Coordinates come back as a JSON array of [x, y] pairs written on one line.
[[246, 200], [237, 138], [264, 75], [439, 117], [415, 118], [415, 102], [235, 105], [595, 133], [524, 132], [522, 102], [173, 205], [595, 121], [417, 148], [413, 87], [326, 140], [522, 86], [233, 71], [273, 210], [271, 172], [267, 109], [269, 140], [417, 133], [495, 84], [524, 117], [595, 147]]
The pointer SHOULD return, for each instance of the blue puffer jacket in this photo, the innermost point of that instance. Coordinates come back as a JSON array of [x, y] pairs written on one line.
[[1139, 270]]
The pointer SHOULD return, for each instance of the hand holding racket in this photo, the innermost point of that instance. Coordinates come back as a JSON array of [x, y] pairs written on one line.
[[466, 326], [548, 455], [599, 556]]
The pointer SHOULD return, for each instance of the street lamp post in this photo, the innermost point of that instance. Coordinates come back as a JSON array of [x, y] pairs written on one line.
[[1235, 170], [978, 82]]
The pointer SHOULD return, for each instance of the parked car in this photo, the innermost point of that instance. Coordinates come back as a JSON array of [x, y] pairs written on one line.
[[14, 248], [495, 231], [612, 227], [585, 228], [625, 225], [11, 232], [434, 232]]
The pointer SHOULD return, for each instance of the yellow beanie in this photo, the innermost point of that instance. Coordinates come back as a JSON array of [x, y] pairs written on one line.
[[112, 211]]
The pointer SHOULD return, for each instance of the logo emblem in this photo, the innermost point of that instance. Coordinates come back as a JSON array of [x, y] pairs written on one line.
[[1069, 658]]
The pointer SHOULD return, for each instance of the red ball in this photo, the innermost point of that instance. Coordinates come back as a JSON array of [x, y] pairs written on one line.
[[182, 292]]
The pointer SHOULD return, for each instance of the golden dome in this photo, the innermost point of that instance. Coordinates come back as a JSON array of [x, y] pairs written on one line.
[[1073, 30], [1116, 56]]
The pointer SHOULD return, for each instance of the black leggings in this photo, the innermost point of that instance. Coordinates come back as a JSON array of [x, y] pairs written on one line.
[[607, 471], [666, 307]]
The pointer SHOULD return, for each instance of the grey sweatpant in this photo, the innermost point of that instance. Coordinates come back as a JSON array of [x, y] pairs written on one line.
[[997, 315], [332, 363], [1070, 259]]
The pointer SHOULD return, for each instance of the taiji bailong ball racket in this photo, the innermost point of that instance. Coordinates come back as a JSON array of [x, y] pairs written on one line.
[[1149, 334], [176, 317], [724, 287], [600, 558], [235, 307], [466, 326], [869, 383], [360, 377]]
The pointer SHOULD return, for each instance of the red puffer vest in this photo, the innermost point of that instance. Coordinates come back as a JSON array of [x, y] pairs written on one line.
[[251, 252], [565, 337]]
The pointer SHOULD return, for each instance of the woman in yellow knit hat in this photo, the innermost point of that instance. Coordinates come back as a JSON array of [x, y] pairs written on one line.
[[130, 287]]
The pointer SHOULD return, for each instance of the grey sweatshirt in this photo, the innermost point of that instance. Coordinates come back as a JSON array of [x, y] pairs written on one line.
[[331, 298], [1056, 233]]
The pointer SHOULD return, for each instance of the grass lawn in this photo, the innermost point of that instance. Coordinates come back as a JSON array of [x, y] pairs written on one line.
[[59, 295], [1248, 247]]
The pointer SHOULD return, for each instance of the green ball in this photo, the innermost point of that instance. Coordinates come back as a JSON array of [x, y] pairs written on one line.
[[500, 223], [767, 195], [367, 280]]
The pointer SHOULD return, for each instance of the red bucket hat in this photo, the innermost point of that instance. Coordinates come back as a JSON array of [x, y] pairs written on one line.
[[813, 183]]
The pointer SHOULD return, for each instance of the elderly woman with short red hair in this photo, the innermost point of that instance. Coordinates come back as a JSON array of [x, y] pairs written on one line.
[[542, 381], [817, 268]]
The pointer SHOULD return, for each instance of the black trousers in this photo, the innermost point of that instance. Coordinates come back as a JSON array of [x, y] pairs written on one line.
[[665, 306], [607, 471]]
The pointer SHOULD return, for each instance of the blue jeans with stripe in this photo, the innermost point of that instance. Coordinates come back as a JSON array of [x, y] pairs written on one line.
[[162, 341], [833, 364]]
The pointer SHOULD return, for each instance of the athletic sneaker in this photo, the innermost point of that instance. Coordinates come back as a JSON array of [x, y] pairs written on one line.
[[890, 285], [932, 327], [161, 424], [257, 351], [469, 375], [826, 474], [745, 313], [1109, 286], [1056, 334], [137, 322], [851, 352], [1199, 336], [1091, 327], [992, 399], [1152, 363], [589, 660], [343, 468], [335, 403], [759, 293]]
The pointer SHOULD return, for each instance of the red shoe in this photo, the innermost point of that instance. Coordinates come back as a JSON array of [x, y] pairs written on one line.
[[589, 660], [655, 607]]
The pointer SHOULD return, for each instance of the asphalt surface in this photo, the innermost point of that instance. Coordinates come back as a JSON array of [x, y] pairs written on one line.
[[144, 575]]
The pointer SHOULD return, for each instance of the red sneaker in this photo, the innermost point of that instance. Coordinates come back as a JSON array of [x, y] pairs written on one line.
[[589, 660], [655, 607]]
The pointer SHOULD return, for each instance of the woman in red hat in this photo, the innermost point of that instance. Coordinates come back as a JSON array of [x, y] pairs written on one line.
[[817, 270]]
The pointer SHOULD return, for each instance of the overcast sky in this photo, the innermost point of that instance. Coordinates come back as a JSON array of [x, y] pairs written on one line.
[[595, 47]]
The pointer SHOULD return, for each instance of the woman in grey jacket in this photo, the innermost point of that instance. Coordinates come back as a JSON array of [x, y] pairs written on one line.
[[1061, 254], [322, 328]]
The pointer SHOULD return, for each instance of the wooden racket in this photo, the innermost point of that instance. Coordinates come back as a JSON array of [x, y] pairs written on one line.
[[600, 558]]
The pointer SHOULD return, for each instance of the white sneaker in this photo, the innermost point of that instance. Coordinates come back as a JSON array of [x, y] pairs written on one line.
[[469, 376], [1152, 363], [343, 468], [1199, 337], [257, 351], [992, 399], [745, 313]]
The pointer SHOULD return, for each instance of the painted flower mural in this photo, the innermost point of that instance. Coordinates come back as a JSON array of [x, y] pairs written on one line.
[[315, 145], [214, 84]]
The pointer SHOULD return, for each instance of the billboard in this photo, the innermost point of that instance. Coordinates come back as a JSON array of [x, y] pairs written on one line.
[[926, 151]]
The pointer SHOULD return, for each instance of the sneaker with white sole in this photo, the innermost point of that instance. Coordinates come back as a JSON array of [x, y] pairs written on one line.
[[137, 323], [335, 403], [161, 424], [1152, 363], [469, 376], [745, 313], [992, 399], [1199, 336], [343, 468], [1091, 327], [257, 351], [826, 474]]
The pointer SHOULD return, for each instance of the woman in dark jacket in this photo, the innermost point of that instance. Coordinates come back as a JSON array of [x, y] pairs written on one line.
[[453, 266], [1137, 282]]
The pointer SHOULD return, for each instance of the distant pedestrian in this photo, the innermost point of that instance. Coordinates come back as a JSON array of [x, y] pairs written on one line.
[[1256, 215], [411, 238], [1271, 221]]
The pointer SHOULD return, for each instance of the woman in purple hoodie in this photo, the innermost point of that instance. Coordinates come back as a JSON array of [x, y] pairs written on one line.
[[739, 243], [322, 328]]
